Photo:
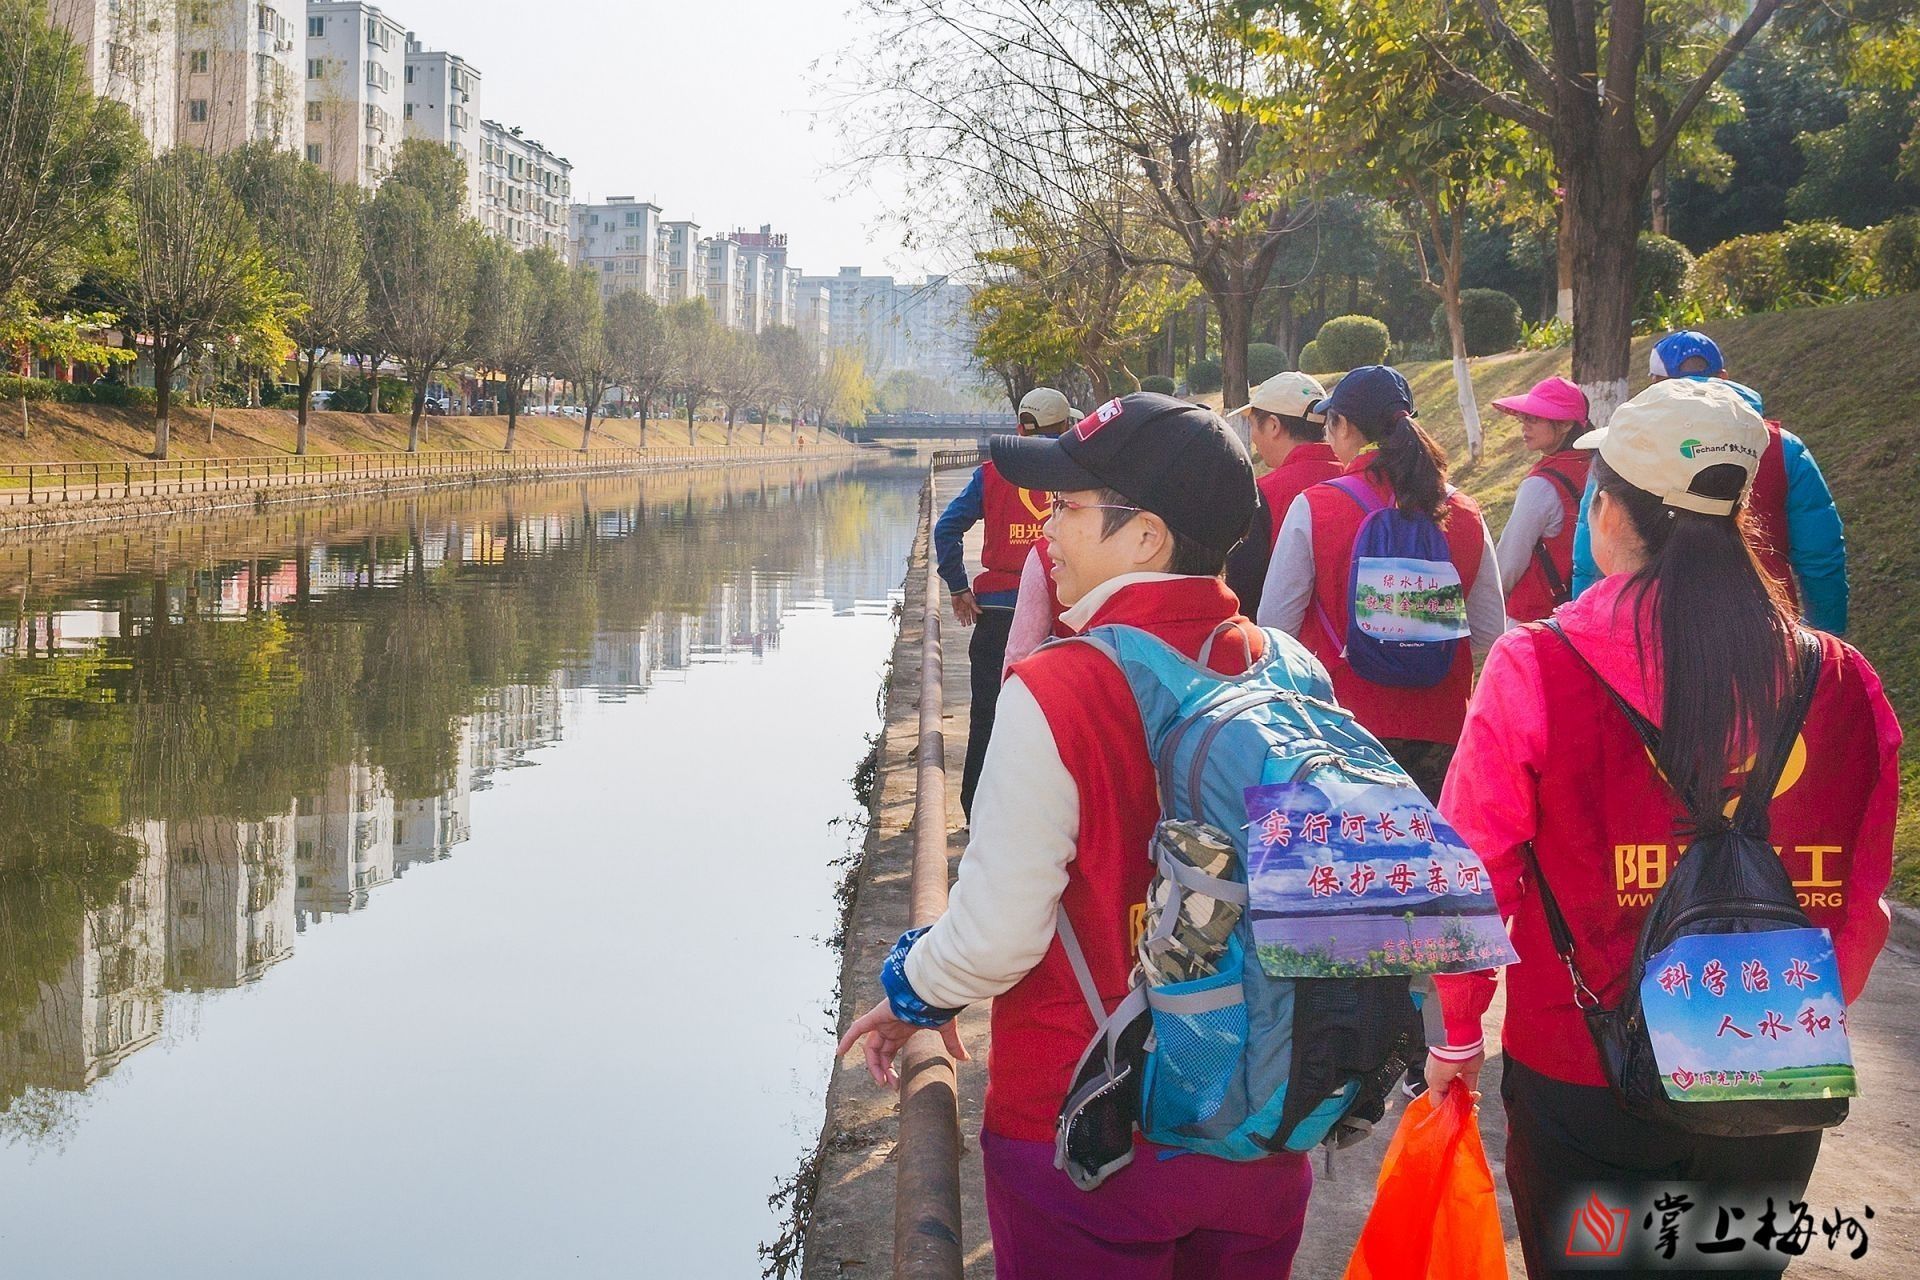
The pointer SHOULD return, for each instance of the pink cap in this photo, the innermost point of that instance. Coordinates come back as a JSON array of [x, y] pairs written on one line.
[[1555, 399]]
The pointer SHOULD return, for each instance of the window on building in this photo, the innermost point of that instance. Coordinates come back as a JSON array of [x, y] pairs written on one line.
[[197, 13], [316, 28], [197, 61], [633, 217], [373, 158], [316, 68], [119, 59], [197, 110], [409, 75], [409, 111], [315, 113]]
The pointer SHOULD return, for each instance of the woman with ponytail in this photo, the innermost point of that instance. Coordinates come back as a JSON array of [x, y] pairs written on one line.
[[1389, 463], [1553, 786]]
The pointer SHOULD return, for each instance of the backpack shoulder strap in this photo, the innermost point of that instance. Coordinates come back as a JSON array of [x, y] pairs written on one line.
[[1561, 480], [1359, 492], [1808, 657]]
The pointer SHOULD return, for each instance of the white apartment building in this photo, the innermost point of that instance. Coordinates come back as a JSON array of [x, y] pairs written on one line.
[[623, 239], [686, 263], [726, 286], [132, 51], [812, 310], [863, 316], [356, 64], [441, 103], [936, 329], [230, 900], [242, 70], [525, 190], [924, 326]]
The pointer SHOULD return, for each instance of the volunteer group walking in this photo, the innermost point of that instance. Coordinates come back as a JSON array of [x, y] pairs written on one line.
[[1251, 846]]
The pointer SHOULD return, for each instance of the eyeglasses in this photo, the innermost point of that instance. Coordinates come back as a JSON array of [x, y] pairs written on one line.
[[1061, 504]]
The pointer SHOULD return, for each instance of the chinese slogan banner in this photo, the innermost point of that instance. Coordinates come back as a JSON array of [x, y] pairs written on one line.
[[1398, 599], [1749, 1015], [1354, 879]]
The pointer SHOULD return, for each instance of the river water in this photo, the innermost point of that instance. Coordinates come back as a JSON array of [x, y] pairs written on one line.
[[435, 886]]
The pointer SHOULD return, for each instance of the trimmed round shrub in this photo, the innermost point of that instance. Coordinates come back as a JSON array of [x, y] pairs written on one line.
[[349, 400], [1896, 254], [1312, 360], [1263, 361], [1659, 272], [1744, 274], [1490, 319], [1203, 376], [1157, 382], [1347, 342], [1821, 258]]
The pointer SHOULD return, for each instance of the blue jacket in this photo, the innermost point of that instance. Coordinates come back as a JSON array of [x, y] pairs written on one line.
[[949, 533], [1816, 540]]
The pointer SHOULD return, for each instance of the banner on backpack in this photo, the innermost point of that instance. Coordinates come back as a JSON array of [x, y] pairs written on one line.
[[1743, 1016], [1351, 879], [1409, 600]]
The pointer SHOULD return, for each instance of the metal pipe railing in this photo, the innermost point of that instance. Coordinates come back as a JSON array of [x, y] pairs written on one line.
[[926, 1206], [35, 483]]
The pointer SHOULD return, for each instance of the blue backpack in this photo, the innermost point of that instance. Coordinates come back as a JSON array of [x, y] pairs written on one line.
[[1236, 1064], [1406, 608]]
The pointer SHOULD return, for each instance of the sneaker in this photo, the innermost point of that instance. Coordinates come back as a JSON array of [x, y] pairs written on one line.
[[1413, 1085]]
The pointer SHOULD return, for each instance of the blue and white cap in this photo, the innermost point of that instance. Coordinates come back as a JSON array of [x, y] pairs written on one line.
[[1670, 355]]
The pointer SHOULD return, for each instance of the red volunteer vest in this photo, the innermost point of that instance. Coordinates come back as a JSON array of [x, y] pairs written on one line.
[[1305, 467], [1423, 715], [1767, 514], [1012, 518], [1532, 597], [1042, 1025], [1606, 844]]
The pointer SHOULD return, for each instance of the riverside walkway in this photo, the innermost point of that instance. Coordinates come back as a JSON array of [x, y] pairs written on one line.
[[852, 1223]]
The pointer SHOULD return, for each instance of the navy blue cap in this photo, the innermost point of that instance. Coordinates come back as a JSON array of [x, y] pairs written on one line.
[[1367, 394]]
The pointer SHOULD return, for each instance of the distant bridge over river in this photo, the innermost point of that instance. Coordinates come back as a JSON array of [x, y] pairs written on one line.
[[884, 428]]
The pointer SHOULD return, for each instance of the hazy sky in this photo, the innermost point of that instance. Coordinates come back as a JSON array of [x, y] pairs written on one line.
[[716, 111]]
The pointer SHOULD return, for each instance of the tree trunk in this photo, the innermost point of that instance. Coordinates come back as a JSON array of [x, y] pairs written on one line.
[[646, 407], [1606, 226], [419, 411], [1462, 379], [373, 389], [586, 429], [1236, 324], [690, 429], [764, 415], [729, 426], [26, 422], [309, 369], [163, 361], [1200, 329], [1563, 265], [513, 412]]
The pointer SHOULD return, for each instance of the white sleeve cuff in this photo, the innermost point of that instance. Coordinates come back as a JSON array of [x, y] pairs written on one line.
[[1456, 1052]]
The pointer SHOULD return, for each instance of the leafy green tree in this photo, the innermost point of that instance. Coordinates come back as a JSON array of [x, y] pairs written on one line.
[[577, 324], [637, 338], [514, 291], [422, 262], [64, 154], [693, 338], [193, 272], [309, 225]]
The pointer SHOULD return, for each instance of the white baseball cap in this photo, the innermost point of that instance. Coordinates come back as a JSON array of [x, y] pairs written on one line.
[[1288, 394], [1663, 438], [1047, 407]]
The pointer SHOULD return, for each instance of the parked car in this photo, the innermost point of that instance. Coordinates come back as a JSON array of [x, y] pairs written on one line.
[[318, 400]]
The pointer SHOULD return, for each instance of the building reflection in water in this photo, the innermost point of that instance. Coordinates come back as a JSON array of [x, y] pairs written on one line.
[[215, 737]]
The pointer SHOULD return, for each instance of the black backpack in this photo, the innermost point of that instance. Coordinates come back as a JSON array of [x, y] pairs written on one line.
[[1729, 882]]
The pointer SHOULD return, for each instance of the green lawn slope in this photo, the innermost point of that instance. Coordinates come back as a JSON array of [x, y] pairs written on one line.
[[1846, 380]]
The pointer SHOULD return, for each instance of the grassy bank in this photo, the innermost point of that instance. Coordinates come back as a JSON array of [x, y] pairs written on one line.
[[94, 433], [1845, 380]]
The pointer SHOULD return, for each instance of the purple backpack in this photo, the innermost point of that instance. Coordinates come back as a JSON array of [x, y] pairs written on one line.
[[1406, 607]]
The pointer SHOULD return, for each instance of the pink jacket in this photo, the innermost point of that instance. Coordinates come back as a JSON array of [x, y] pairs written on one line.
[[1491, 798]]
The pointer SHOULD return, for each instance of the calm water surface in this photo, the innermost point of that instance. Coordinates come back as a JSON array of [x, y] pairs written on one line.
[[432, 887]]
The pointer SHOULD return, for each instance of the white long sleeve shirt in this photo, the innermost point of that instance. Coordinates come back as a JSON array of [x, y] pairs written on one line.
[[1026, 829], [1537, 515], [1289, 586]]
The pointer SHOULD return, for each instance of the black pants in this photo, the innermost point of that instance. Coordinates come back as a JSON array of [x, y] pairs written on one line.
[[1425, 762], [985, 652], [1565, 1141]]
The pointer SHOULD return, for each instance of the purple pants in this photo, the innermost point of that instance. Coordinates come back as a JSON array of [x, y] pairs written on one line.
[[1190, 1217]]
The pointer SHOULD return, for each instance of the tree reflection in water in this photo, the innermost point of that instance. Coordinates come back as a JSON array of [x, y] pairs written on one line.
[[213, 735]]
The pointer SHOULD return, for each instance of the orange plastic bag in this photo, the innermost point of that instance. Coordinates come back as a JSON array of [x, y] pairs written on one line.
[[1434, 1215]]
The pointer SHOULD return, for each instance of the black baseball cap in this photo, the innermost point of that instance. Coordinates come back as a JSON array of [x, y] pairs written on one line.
[[1175, 459], [1367, 394]]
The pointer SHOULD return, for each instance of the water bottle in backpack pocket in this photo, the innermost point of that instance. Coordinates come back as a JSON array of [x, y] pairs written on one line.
[[1231, 1061], [1406, 607]]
